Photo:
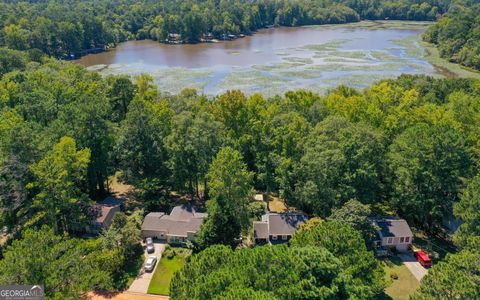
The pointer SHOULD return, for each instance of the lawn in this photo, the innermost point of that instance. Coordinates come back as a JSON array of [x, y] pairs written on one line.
[[160, 283], [276, 205], [405, 285]]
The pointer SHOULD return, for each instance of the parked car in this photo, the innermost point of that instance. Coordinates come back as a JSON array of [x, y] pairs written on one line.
[[423, 258], [150, 247], [150, 263]]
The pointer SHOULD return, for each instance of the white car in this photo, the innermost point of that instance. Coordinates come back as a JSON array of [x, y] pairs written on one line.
[[150, 263], [150, 247]]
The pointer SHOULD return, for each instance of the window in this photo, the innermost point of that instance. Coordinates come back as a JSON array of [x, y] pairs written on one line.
[[407, 239], [274, 237], [402, 239], [284, 237], [390, 240]]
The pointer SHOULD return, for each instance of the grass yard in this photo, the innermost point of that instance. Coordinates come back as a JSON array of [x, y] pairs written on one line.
[[160, 283], [405, 285], [276, 205]]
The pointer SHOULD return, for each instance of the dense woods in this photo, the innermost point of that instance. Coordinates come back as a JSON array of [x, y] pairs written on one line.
[[408, 147], [310, 269], [457, 34], [62, 28]]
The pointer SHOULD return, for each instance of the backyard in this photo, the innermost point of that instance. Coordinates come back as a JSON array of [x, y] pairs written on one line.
[[173, 259], [405, 283]]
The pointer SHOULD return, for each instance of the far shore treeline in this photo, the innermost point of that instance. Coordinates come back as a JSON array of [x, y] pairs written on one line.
[[63, 28]]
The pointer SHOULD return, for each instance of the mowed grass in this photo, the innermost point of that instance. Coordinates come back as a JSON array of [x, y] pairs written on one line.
[[405, 285], [160, 283]]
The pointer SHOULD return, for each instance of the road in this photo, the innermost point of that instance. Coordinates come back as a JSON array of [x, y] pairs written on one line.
[[413, 265], [141, 283], [125, 296]]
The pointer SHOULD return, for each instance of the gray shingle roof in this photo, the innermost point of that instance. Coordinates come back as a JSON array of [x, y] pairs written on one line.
[[278, 224], [285, 223], [260, 230], [394, 227], [182, 219]]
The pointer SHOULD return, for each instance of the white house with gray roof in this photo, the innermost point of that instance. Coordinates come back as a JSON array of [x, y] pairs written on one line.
[[180, 226], [277, 227], [394, 233]]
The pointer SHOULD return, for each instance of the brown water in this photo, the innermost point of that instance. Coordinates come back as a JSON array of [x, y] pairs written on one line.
[[275, 60]]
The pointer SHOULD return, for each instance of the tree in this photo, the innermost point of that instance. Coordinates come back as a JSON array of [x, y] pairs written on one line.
[[16, 37], [341, 161], [468, 210], [66, 267], [140, 146], [274, 272], [124, 234], [230, 191], [11, 60], [427, 163], [13, 192], [121, 92], [59, 177], [348, 245], [192, 144], [457, 277], [356, 215]]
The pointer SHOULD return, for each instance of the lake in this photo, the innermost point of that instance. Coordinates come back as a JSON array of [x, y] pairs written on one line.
[[273, 61]]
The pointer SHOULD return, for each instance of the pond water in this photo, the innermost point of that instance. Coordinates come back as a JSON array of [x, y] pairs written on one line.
[[273, 61]]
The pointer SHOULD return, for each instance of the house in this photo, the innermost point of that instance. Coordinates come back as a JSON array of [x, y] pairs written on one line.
[[394, 233], [277, 227], [104, 212], [180, 226]]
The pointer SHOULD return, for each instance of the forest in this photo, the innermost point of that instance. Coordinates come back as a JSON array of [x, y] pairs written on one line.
[[457, 34], [408, 146], [65, 28]]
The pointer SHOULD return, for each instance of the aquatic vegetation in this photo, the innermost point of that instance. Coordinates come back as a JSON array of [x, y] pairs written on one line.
[[345, 58]]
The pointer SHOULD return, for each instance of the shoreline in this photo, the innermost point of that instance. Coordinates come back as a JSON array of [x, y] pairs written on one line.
[[364, 23]]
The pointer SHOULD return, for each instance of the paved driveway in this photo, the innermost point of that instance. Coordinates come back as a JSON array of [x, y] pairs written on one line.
[[413, 265], [140, 284]]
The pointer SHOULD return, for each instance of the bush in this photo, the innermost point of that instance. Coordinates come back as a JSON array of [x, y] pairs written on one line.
[[169, 253], [394, 276]]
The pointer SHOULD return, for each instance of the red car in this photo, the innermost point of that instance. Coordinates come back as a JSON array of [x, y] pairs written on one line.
[[423, 258]]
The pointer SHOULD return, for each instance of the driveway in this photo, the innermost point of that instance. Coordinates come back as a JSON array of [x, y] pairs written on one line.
[[413, 265], [141, 283]]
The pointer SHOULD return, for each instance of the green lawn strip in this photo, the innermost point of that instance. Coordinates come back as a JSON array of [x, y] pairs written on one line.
[[405, 285], [160, 283]]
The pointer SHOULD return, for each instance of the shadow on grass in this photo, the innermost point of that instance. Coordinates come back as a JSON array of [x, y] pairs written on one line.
[[392, 261], [384, 296]]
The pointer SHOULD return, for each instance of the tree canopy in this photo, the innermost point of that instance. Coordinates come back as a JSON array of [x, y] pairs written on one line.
[[66, 267], [262, 272], [230, 192], [60, 29]]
